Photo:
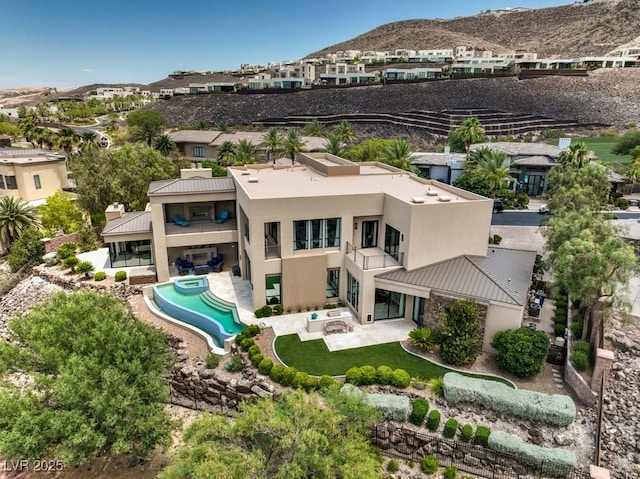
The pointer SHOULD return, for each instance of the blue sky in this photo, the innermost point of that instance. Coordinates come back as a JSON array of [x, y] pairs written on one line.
[[67, 43]]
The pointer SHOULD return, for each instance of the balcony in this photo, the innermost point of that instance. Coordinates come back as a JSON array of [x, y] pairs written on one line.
[[200, 227], [372, 258]]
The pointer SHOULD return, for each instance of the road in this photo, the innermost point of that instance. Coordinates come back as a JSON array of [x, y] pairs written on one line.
[[533, 218]]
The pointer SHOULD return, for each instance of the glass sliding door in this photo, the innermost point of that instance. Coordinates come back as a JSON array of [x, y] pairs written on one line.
[[369, 234], [389, 304]]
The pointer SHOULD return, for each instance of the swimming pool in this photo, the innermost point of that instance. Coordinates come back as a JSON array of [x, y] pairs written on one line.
[[190, 301]]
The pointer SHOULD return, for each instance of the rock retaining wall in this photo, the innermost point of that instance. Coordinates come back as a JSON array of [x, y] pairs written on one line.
[[121, 290]]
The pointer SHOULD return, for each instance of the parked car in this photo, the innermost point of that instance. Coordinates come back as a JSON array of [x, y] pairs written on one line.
[[498, 206], [544, 209]]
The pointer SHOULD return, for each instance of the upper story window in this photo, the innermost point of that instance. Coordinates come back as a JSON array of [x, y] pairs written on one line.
[[313, 234], [392, 241], [11, 182], [199, 151], [36, 181]]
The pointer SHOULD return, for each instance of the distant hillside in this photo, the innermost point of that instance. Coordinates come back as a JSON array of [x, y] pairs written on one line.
[[579, 29]]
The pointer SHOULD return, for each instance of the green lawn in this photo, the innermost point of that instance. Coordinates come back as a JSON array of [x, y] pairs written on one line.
[[314, 358], [601, 146]]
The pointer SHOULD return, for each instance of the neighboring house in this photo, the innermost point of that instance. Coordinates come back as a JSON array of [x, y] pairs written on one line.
[[444, 167], [386, 243], [32, 174], [346, 74], [195, 144]]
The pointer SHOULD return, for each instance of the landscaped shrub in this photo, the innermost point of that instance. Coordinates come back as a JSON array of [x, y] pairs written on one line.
[[482, 436], [581, 346], [266, 311], [459, 343], [560, 317], [450, 472], [435, 385], [352, 391], [234, 364], [392, 466], [304, 380], [84, 267], [450, 428], [622, 203], [553, 409], [212, 361], [246, 343], [433, 420], [66, 250], [553, 461], [401, 379], [466, 433], [120, 276], [423, 337], [253, 350], [264, 367], [251, 331], [580, 360], [276, 373], [392, 407], [354, 376], [368, 375], [558, 329], [327, 382], [429, 464], [496, 239], [256, 359], [70, 262], [419, 410], [577, 323], [521, 351], [384, 375], [99, 276], [288, 376], [278, 309]]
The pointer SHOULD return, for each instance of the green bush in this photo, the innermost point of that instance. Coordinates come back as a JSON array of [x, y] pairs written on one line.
[[558, 329], [482, 436], [234, 364], [70, 262], [622, 203], [264, 367], [466, 433], [384, 375], [450, 472], [100, 276], [580, 360], [354, 376], [264, 312], [327, 382], [278, 309], [400, 379], [66, 250], [84, 267], [424, 338], [521, 351], [392, 466], [435, 385], [433, 420], [419, 410], [288, 376], [450, 428], [581, 346], [212, 361], [246, 343], [560, 316], [253, 350], [429, 464], [27, 249], [496, 239], [256, 360], [368, 375], [302, 380], [251, 331], [120, 276], [276, 373], [576, 327]]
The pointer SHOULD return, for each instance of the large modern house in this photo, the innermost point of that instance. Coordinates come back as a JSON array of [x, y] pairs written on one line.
[[384, 242]]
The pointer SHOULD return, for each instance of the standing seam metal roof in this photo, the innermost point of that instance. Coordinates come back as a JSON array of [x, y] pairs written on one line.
[[136, 222], [194, 185]]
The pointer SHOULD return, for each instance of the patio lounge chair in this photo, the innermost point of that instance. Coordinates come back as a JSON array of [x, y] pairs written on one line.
[[179, 220], [224, 215], [213, 262], [183, 266]]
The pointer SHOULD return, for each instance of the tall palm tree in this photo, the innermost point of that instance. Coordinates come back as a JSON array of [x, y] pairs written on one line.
[[315, 128], [67, 139], [225, 153], [293, 144], [16, 216], [244, 152], [398, 154], [345, 130], [576, 155], [88, 140], [492, 167], [471, 131], [334, 145], [273, 143], [165, 145]]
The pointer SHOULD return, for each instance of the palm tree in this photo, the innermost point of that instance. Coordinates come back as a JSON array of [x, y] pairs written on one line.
[[223, 126], [576, 155], [334, 145], [272, 141], [88, 140], [43, 110], [16, 216], [67, 139], [345, 130], [225, 153], [293, 144], [165, 145], [315, 128], [201, 125], [244, 153], [492, 168], [475, 157], [471, 131], [398, 154]]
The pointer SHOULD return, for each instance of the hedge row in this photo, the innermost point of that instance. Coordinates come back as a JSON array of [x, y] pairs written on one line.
[[366, 375]]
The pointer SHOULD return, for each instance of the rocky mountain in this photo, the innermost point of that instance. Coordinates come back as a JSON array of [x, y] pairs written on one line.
[[593, 27]]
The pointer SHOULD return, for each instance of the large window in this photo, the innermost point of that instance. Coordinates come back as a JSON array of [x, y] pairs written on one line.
[[131, 253], [333, 282], [392, 241], [272, 285], [11, 182], [312, 234], [369, 234], [198, 151], [36, 181], [389, 304], [353, 291]]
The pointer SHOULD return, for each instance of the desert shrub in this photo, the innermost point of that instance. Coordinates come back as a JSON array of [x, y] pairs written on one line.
[[433, 420], [352, 391], [70, 262], [401, 379], [84, 267], [435, 385], [288, 376], [419, 410], [424, 338], [264, 367], [482, 436], [256, 359], [558, 329], [100, 276], [450, 428], [66, 250], [429, 464], [277, 372], [212, 361], [234, 364], [521, 351], [450, 472], [368, 375], [246, 343], [120, 276], [384, 375], [354, 376], [581, 346], [392, 407], [327, 382], [418, 383], [466, 433], [392, 466], [580, 360]]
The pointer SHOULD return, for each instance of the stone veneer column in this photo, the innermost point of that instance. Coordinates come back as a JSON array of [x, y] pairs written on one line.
[[599, 472], [604, 360]]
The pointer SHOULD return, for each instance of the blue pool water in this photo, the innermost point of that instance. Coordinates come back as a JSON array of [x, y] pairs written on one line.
[[191, 302]]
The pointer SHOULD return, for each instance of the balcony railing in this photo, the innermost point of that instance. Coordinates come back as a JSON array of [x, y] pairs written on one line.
[[373, 258]]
